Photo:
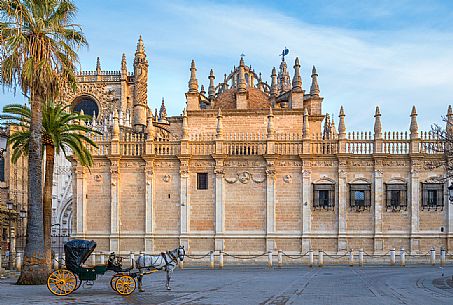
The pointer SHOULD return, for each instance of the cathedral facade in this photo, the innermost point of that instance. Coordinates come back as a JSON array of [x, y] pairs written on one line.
[[249, 168]]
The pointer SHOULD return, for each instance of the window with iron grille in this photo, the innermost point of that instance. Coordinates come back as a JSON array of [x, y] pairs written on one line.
[[324, 196], [432, 196], [360, 197], [2, 169], [396, 196], [202, 181]]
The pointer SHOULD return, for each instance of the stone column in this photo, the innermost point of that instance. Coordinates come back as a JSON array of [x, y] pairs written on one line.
[[185, 199], [342, 205], [114, 205], [450, 216], [270, 204], [307, 202], [149, 205], [414, 195], [219, 205], [378, 184], [80, 200]]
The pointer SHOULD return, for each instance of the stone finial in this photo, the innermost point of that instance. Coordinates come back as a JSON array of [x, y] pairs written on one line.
[[297, 80], [326, 130], [219, 129], [140, 45], [377, 124], [193, 82], [98, 66], [116, 126], [341, 125], [306, 125], [449, 123], [150, 131], [82, 121], [270, 125], [333, 129], [242, 85], [202, 91], [93, 119], [185, 125], [163, 112], [274, 86], [211, 88], [123, 64], [414, 126], [314, 89]]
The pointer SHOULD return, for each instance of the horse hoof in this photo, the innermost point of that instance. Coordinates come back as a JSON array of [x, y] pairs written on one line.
[[141, 290], [168, 288]]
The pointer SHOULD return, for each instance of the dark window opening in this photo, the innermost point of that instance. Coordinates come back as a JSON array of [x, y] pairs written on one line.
[[396, 197], [324, 196], [202, 181], [87, 104], [360, 197], [2, 169], [432, 196]]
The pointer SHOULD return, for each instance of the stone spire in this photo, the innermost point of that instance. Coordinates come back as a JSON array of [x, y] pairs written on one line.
[[333, 129], [116, 126], [163, 112], [297, 80], [414, 126], [123, 65], [284, 80], [202, 91], [326, 131], [341, 125], [185, 125], [242, 85], [274, 87], [140, 88], [150, 131], [219, 129], [377, 124], [193, 82], [98, 66], [270, 125], [314, 89], [449, 123], [306, 125], [211, 88]]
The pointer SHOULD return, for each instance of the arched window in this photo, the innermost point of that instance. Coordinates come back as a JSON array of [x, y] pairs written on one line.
[[87, 104]]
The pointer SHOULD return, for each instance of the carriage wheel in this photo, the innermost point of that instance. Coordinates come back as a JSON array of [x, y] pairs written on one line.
[[61, 282], [113, 281], [125, 285]]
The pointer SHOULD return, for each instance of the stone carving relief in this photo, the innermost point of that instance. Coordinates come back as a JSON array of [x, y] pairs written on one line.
[[395, 163], [243, 163], [166, 178], [289, 163], [244, 177], [287, 178], [324, 163], [165, 164], [98, 178]]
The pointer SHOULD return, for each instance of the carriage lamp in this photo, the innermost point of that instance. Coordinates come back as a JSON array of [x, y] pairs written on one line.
[[9, 205], [22, 214], [450, 193]]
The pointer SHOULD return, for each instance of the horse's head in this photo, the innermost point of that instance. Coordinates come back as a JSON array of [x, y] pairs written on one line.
[[181, 253]]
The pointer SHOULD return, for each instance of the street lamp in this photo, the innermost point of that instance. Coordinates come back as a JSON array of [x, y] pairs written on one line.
[[10, 206], [450, 193]]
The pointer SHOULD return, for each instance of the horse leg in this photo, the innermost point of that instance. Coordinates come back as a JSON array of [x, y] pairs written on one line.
[[140, 283], [168, 280]]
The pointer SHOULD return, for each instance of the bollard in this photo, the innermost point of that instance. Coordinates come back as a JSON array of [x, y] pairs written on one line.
[[402, 257], [211, 260], [102, 261], [433, 256], [392, 256], [442, 256], [269, 259], [351, 258], [93, 259], [220, 259], [19, 261], [361, 257], [310, 256], [280, 258], [132, 259], [54, 262], [320, 258]]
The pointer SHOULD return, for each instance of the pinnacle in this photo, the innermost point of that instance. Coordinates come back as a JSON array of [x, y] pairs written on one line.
[[378, 112], [414, 111], [313, 71]]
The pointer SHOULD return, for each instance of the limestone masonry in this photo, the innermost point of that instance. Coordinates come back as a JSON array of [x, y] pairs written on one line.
[[249, 168]]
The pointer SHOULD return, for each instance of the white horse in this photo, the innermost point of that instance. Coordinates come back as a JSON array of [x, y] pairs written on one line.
[[167, 261]]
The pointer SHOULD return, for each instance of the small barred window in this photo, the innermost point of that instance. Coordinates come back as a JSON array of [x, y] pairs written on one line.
[[396, 196], [432, 196], [360, 197], [202, 181], [323, 196]]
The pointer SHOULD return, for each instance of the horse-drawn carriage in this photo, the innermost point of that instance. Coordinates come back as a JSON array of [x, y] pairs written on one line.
[[67, 280]]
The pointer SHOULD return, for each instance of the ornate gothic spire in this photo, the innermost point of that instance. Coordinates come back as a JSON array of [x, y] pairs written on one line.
[[377, 124], [193, 82], [326, 131], [123, 65], [341, 125], [140, 100], [274, 88], [284, 80], [297, 80], [211, 88], [314, 89], [202, 91], [414, 126], [449, 123], [140, 46], [219, 129], [163, 112], [98, 66], [306, 125], [333, 129], [241, 81]]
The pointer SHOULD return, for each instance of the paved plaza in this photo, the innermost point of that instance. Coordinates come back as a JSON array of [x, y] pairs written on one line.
[[257, 285]]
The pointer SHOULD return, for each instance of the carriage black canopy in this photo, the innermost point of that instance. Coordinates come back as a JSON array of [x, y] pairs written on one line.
[[77, 252]]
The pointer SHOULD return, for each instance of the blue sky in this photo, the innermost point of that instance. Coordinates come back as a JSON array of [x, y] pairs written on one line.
[[394, 54]]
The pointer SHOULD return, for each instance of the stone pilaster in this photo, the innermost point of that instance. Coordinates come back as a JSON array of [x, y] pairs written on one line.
[[184, 197], [414, 195], [219, 205], [449, 205], [114, 204], [149, 205], [270, 202], [306, 206], [81, 200], [378, 184], [342, 205]]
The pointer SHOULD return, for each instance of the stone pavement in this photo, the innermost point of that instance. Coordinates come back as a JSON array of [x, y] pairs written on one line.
[[257, 285]]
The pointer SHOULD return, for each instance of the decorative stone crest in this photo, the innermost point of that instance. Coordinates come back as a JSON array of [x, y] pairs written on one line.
[[166, 178], [287, 178], [244, 177]]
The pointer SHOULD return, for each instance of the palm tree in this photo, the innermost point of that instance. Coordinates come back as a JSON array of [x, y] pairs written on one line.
[[62, 132], [37, 52]]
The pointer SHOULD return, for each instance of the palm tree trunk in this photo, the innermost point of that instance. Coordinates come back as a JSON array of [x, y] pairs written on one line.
[[47, 209], [35, 269]]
